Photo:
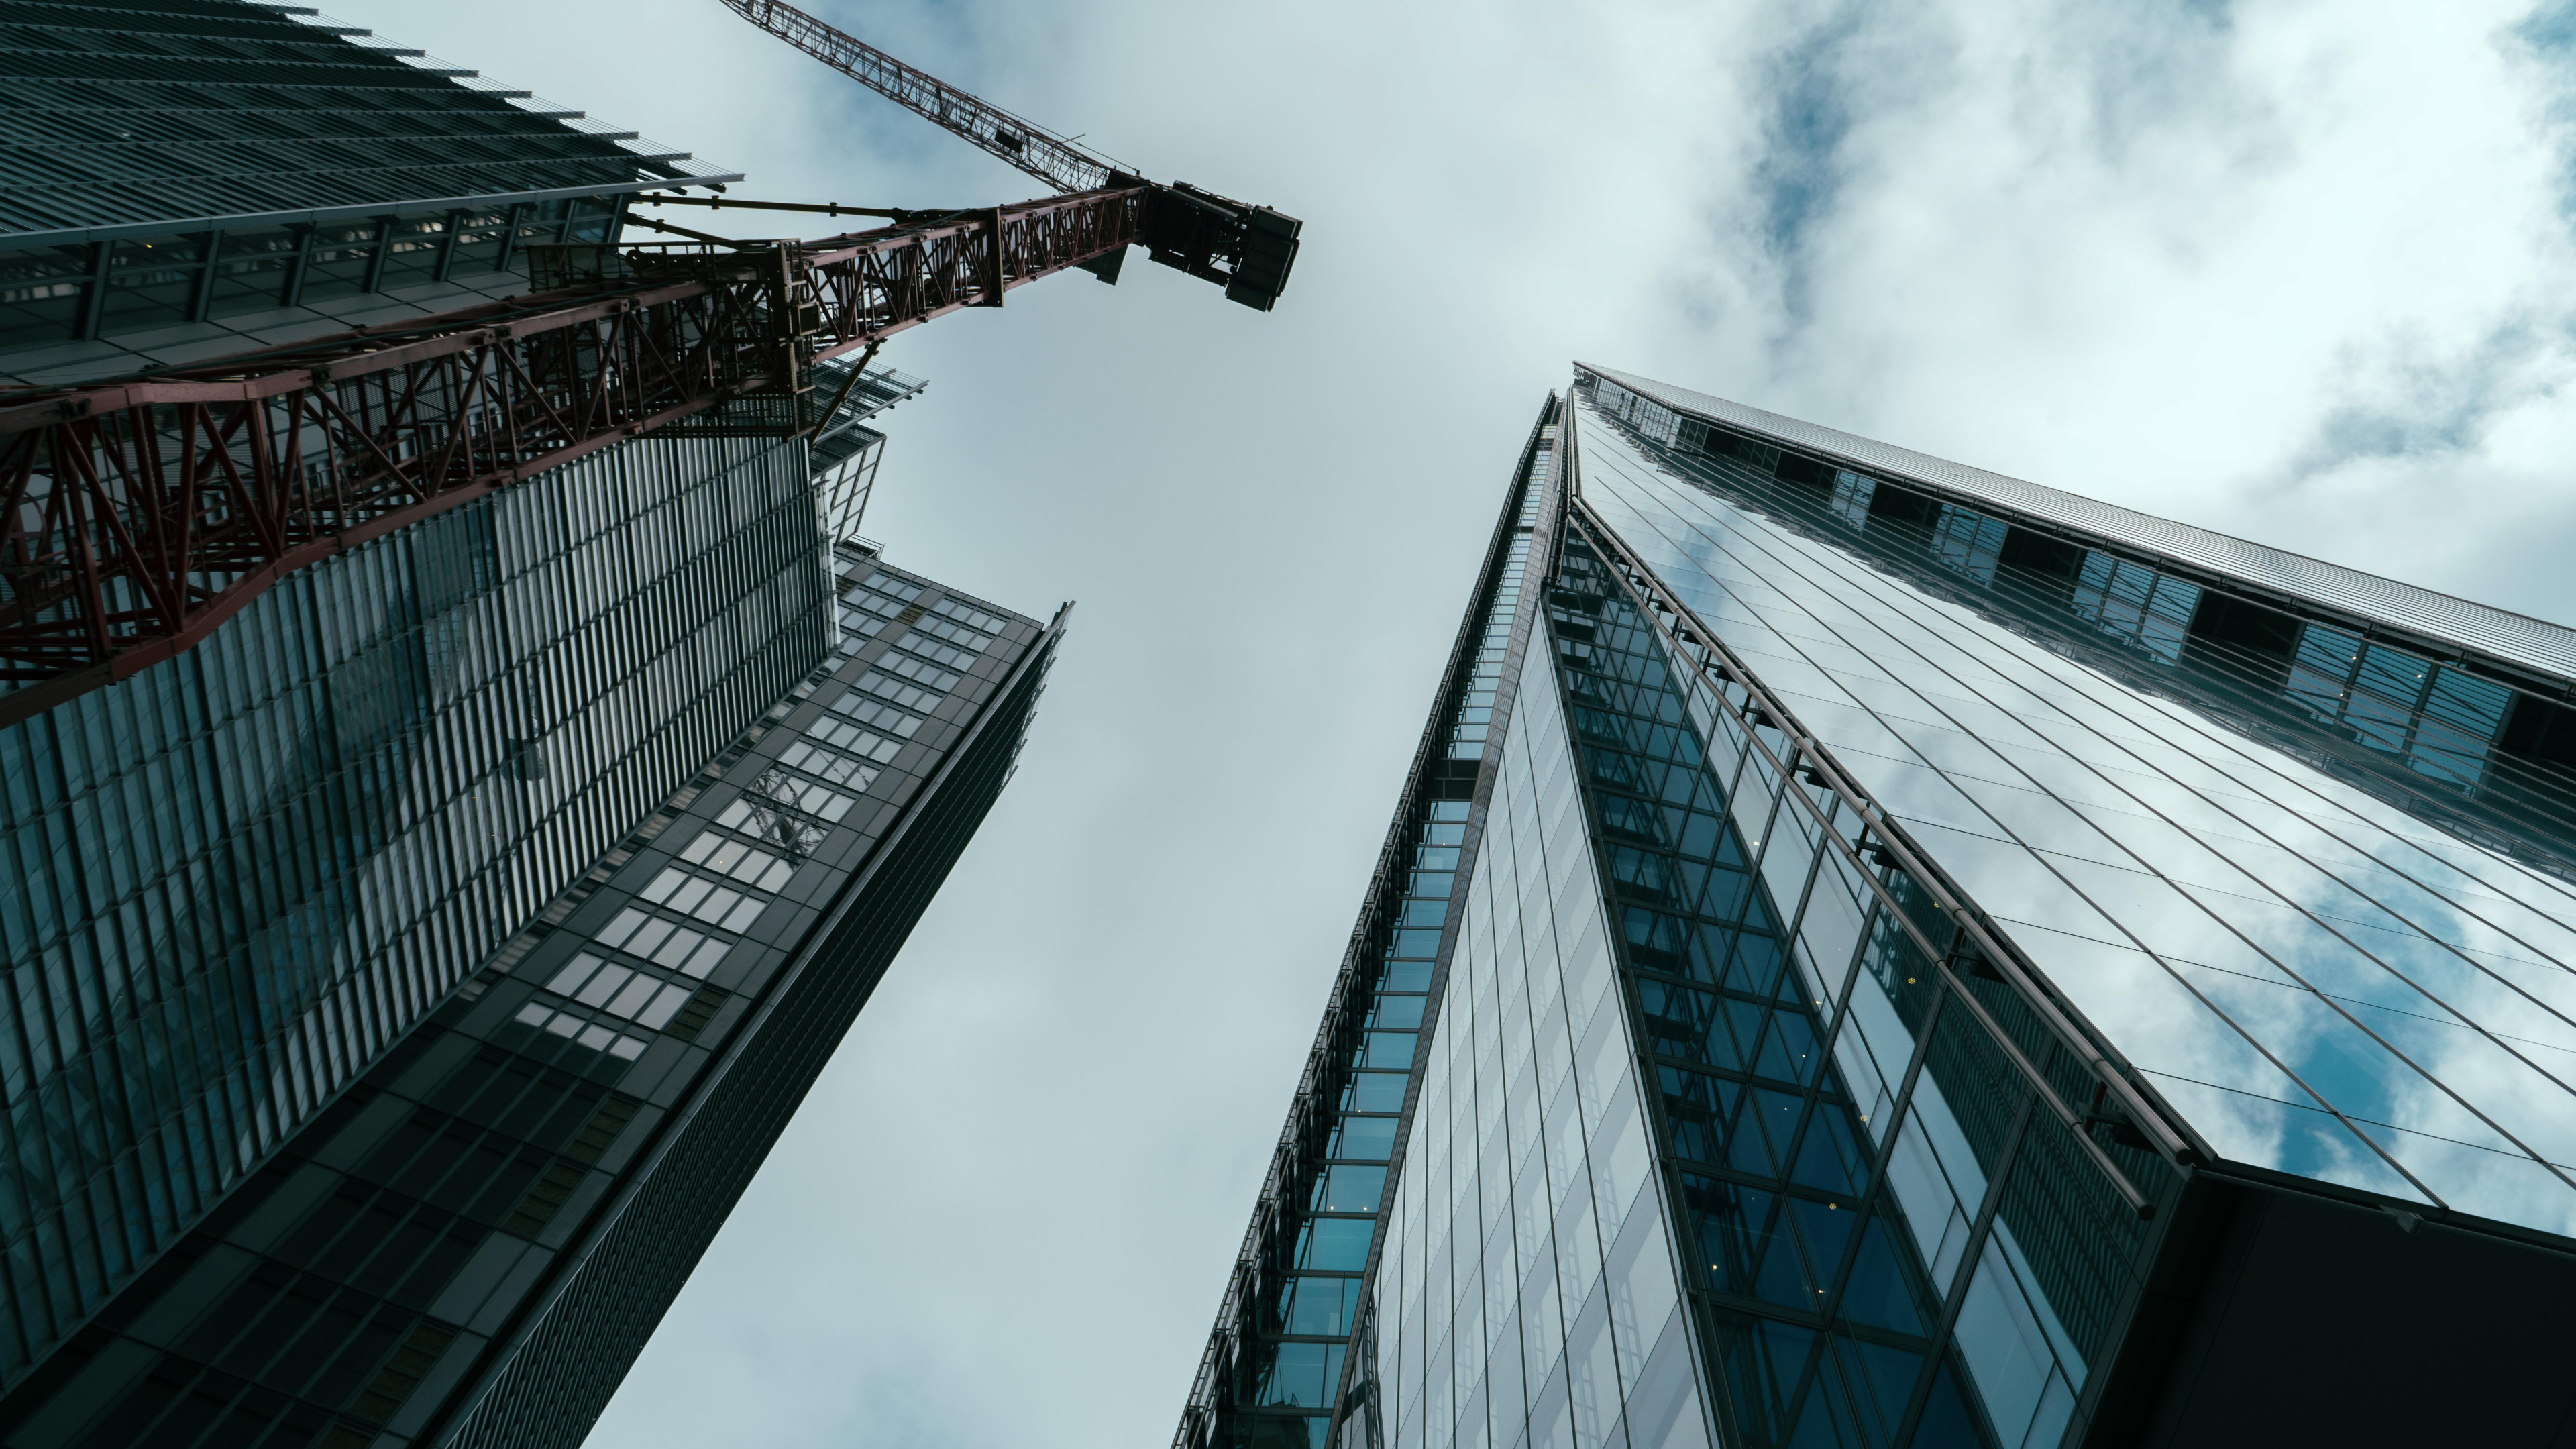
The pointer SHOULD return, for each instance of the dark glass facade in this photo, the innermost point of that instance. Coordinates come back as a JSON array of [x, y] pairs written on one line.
[[470, 1242], [245, 873], [1909, 957], [403, 982]]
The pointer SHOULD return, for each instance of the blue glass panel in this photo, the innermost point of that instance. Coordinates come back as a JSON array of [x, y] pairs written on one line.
[[1788, 1052], [1337, 1244], [1755, 966], [1830, 1158], [1321, 1307], [1397, 1011], [1762, 1361], [1947, 1422], [1375, 1092], [1364, 1139], [1346, 1188], [1882, 1290], [1299, 1375], [1882, 1384], [1389, 1050], [1776, 1114], [1276, 1431], [1700, 1110]]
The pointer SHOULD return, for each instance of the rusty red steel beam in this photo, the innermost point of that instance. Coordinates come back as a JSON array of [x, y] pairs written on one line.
[[136, 515]]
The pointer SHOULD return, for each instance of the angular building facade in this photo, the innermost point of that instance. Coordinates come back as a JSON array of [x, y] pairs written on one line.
[[403, 981], [1876, 953], [473, 1236]]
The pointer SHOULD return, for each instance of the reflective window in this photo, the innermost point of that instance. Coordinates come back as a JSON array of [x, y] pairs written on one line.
[[2316, 980], [251, 868]]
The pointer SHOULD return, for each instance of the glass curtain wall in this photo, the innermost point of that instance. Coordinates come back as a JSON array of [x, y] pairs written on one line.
[[1657, 965], [1700, 1155], [2118, 908], [1857, 1168], [2457, 713], [1529, 1294], [1288, 1359], [249, 869], [1870, 921], [2315, 979]]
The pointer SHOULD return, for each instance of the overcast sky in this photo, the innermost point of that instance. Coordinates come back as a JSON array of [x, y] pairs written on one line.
[[2296, 271]]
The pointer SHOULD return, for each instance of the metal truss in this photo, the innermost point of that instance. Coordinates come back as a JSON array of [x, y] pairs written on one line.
[[1032, 148], [1248, 250], [137, 515]]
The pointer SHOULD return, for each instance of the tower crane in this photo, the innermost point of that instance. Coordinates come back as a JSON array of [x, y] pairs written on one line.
[[1248, 250], [137, 514]]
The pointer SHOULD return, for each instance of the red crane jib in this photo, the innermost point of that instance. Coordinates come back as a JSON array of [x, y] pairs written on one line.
[[1248, 250], [137, 515]]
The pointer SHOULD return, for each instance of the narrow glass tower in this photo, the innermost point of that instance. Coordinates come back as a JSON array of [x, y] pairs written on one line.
[[1876, 953]]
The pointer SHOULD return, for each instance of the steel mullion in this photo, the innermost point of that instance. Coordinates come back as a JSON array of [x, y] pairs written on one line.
[[1955, 1296], [1901, 1101]]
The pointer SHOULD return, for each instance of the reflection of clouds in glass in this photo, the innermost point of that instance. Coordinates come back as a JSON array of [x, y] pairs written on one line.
[[2449, 1029], [2053, 794], [2158, 1022], [2279, 1135], [2508, 1187]]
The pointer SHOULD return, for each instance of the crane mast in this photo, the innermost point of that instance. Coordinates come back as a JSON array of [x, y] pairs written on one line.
[[1246, 249]]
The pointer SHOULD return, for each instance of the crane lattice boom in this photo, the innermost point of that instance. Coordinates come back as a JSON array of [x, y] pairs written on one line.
[[1248, 250], [1034, 149], [137, 515]]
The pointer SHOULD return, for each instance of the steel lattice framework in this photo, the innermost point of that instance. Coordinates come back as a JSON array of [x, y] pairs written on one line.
[[1032, 148], [137, 515], [1248, 250]]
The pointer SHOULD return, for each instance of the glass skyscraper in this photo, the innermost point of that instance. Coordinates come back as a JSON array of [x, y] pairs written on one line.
[[403, 982], [1872, 953], [474, 1233]]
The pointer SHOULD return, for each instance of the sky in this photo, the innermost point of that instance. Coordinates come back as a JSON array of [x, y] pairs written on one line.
[[2301, 272]]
